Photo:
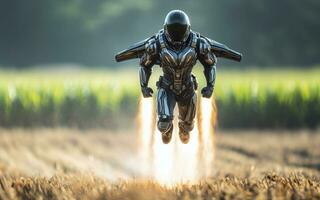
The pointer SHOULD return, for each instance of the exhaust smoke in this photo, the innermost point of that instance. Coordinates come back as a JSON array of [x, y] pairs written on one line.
[[176, 162]]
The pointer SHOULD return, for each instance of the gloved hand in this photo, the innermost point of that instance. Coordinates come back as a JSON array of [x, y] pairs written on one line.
[[207, 91], [146, 91]]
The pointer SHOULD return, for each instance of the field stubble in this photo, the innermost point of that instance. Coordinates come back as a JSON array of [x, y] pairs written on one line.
[[93, 164]]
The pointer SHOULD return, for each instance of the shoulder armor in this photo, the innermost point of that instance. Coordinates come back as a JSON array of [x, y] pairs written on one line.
[[205, 55], [203, 46], [151, 47], [150, 55], [194, 40]]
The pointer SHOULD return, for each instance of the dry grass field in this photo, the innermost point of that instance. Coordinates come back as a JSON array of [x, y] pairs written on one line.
[[96, 164]]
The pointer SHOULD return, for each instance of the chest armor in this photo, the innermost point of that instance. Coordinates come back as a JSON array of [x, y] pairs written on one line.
[[177, 65]]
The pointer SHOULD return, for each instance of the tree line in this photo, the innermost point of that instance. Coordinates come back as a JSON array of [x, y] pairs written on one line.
[[267, 32]]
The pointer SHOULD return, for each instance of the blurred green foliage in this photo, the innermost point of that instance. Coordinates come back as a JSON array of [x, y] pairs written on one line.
[[277, 105], [246, 99], [90, 32]]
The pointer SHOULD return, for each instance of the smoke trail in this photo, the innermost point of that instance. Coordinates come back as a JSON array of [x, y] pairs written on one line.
[[146, 121], [207, 121], [176, 162]]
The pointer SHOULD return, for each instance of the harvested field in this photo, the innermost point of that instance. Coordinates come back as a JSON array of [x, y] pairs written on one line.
[[97, 164]]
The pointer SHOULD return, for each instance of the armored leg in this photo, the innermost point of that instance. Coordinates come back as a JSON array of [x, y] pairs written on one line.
[[165, 106], [187, 113]]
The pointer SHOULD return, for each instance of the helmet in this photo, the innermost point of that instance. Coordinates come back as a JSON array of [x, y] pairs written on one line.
[[177, 27]]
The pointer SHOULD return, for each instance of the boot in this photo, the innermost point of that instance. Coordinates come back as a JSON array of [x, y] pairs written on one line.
[[184, 132], [166, 136]]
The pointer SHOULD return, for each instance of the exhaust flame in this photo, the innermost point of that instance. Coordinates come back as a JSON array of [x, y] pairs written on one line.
[[176, 162], [146, 130], [207, 120]]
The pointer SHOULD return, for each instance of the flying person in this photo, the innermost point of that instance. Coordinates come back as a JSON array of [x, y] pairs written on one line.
[[176, 49]]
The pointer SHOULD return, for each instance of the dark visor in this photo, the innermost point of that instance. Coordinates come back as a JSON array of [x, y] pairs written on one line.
[[177, 31]]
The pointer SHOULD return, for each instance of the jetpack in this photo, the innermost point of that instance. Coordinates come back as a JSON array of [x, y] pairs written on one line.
[[218, 49]]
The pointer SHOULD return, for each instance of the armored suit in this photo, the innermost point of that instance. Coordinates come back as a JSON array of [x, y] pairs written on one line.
[[177, 85], [176, 49]]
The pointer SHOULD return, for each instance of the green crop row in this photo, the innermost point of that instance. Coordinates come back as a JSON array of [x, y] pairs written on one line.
[[282, 105], [105, 99], [79, 105]]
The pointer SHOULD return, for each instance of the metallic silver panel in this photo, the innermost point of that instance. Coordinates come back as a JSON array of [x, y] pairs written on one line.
[[165, 104]]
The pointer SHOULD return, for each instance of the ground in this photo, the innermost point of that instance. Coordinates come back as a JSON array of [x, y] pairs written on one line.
[[98, 164]]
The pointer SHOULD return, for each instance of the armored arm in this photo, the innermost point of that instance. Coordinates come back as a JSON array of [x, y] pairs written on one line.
[[208, 60], [210, 75], [144, 75], [146, 50], [147, 60]]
